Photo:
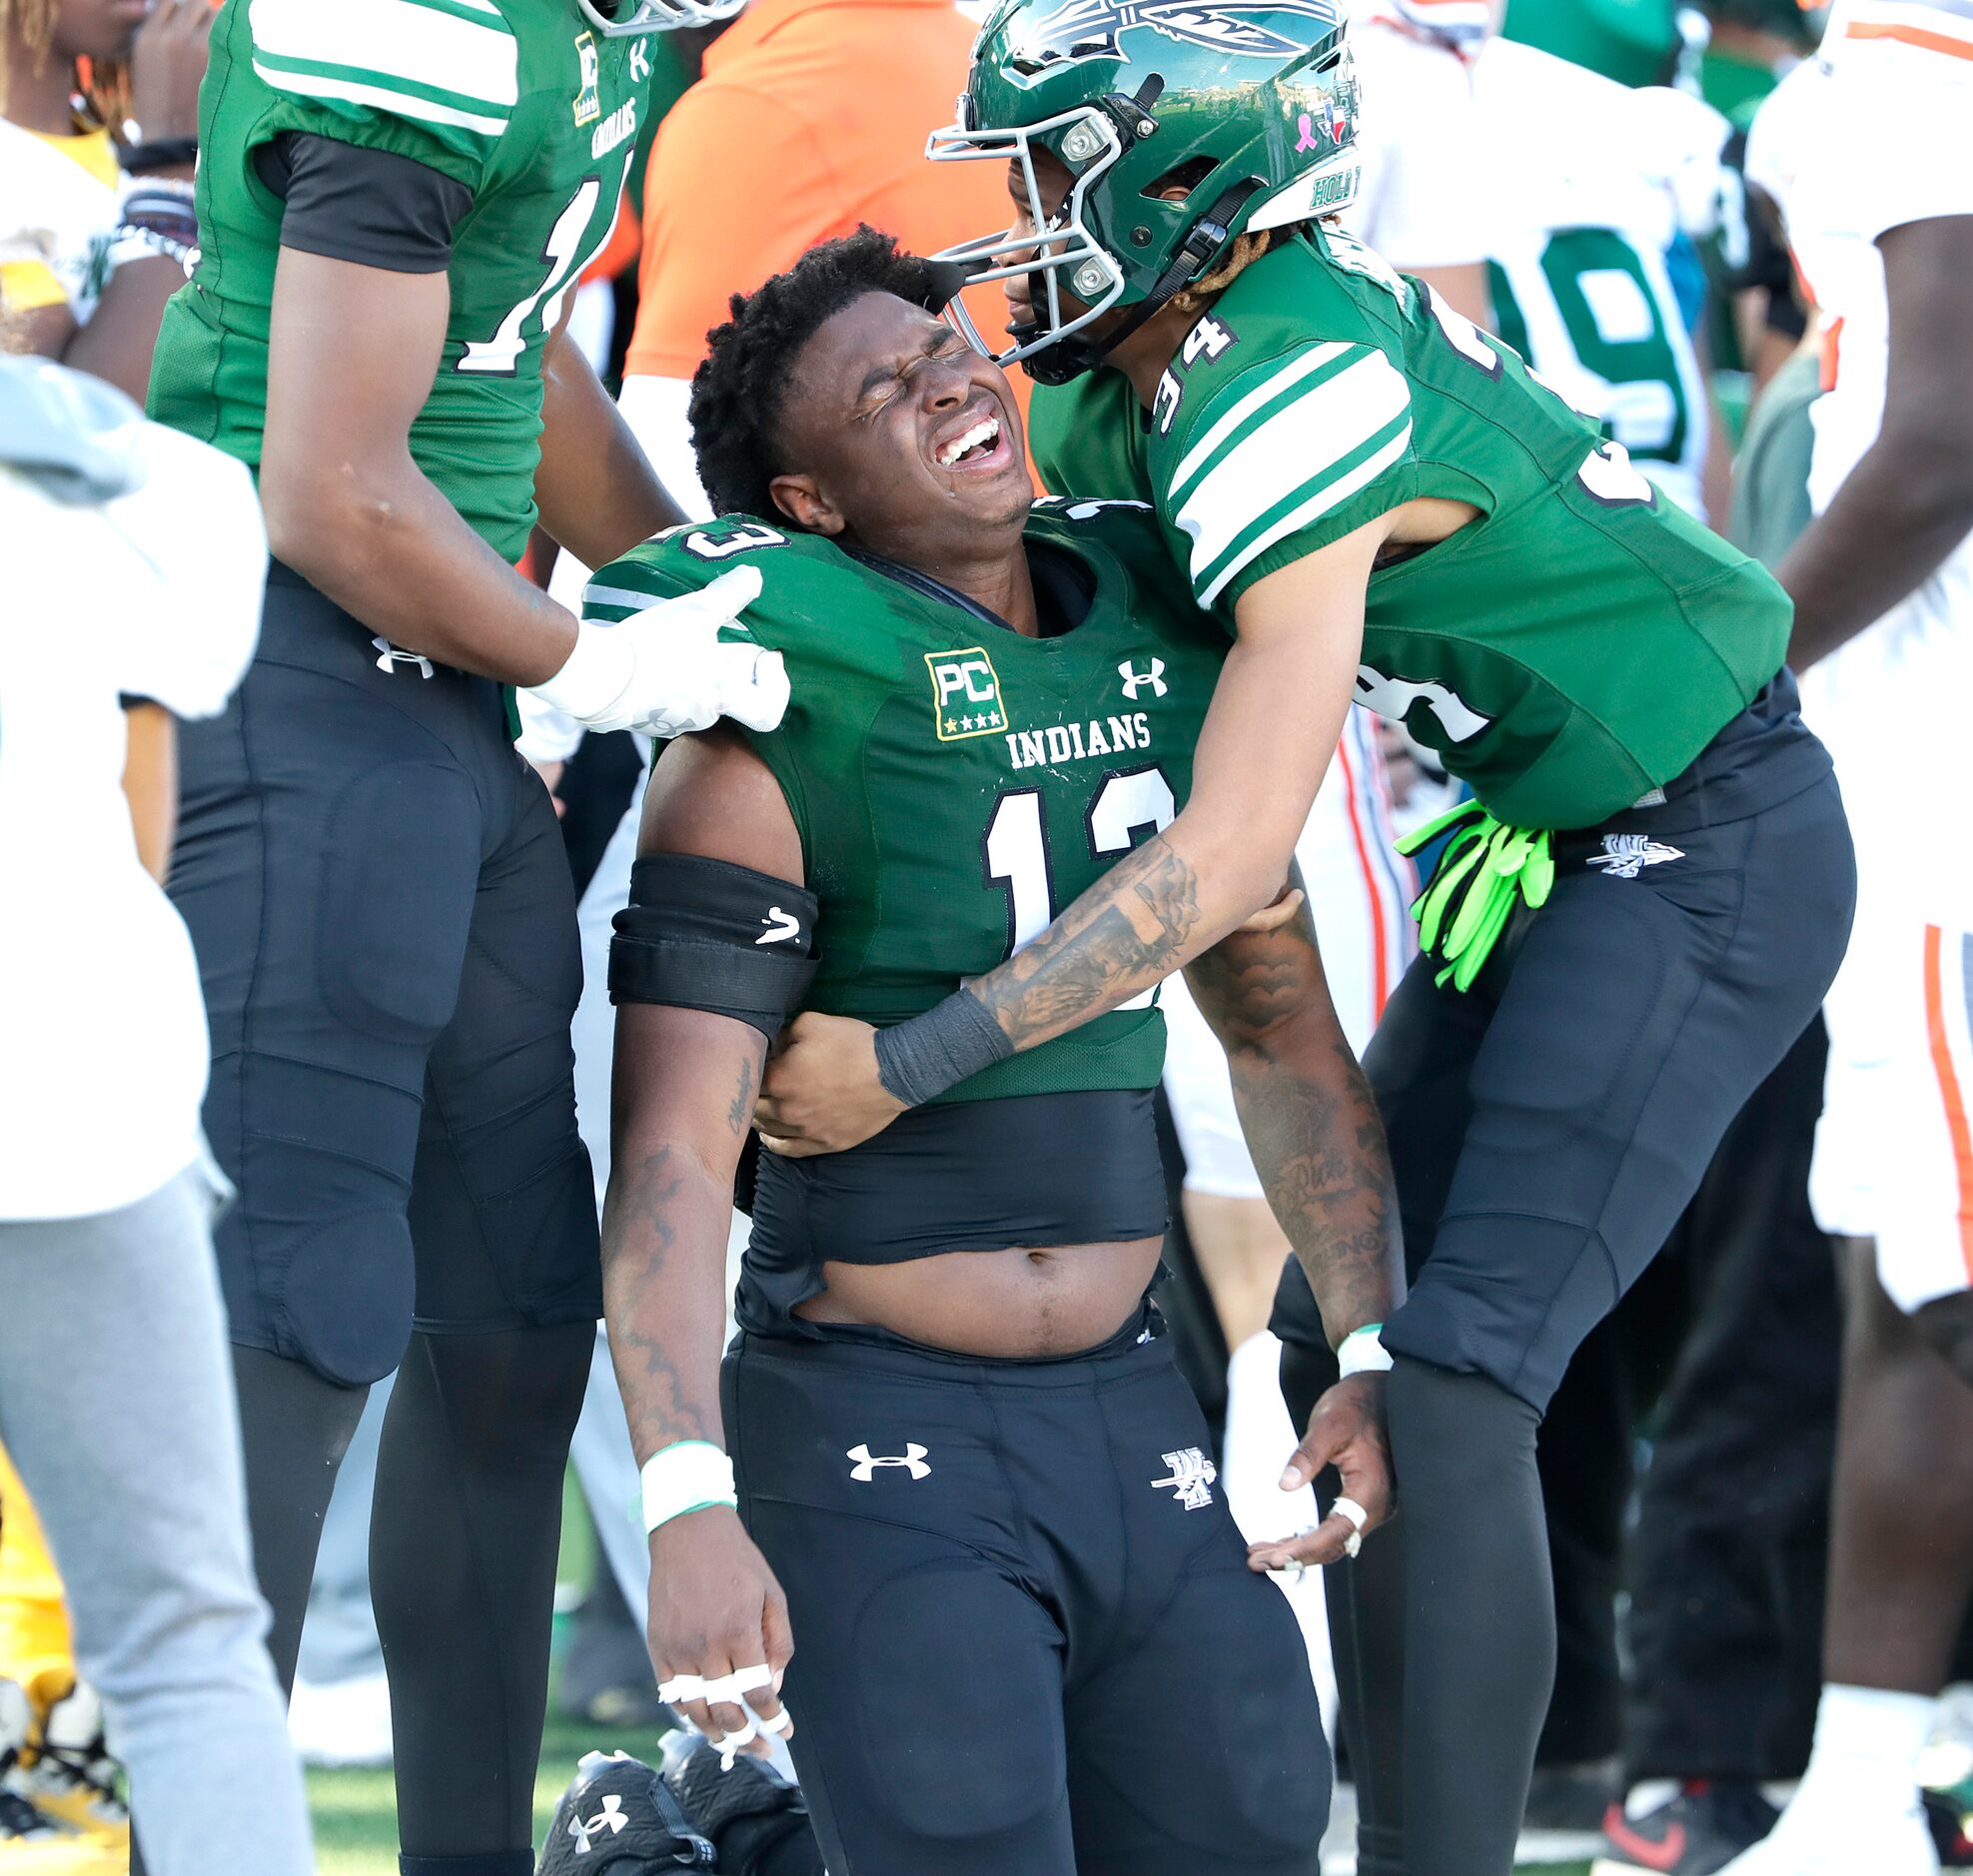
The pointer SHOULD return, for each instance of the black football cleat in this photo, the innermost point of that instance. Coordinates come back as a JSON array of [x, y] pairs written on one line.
[[617, 1819], [756, 1818]]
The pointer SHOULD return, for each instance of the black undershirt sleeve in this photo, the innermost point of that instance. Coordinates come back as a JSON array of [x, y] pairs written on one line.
[[367, 206]]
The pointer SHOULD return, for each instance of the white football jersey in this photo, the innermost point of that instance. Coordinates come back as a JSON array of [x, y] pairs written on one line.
[[1876, 132], [1423, 200], [1595, 181]]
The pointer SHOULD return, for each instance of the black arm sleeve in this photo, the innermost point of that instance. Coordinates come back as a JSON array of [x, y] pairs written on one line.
[[367, 206], [708, 935]]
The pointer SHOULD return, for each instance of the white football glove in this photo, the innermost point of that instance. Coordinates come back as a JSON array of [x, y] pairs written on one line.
[[666, 671]]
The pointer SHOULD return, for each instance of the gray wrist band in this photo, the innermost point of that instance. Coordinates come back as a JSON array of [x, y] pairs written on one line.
[[924, 1056]]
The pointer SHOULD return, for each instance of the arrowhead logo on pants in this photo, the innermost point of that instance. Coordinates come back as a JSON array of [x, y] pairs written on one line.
[[865, 1469]]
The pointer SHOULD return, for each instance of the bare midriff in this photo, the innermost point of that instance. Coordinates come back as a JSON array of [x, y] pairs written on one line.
[[1014, 1305]]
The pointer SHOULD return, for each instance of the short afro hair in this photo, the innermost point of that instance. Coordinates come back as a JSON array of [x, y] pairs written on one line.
[[739, 390]]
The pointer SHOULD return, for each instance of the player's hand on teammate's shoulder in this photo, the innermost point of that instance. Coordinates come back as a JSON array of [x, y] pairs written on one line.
[[716, 1610], [1346, 1431], [821, 1093], [678, 665]]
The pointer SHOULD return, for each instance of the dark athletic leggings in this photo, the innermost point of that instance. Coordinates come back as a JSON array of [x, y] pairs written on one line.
[[463, 1547], [1463, 1574]]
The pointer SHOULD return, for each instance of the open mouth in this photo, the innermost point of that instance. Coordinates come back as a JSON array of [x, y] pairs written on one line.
[[978, 444]]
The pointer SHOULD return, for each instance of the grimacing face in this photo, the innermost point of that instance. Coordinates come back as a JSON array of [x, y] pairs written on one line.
[[909, 440]]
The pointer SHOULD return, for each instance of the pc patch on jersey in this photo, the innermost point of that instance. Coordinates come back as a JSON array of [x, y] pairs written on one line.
[[965, 694]]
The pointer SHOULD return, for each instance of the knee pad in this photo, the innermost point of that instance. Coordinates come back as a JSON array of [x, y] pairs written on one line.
[[945, 1761]]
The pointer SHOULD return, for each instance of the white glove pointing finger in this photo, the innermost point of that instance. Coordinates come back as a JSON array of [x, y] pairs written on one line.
[[661, 668]]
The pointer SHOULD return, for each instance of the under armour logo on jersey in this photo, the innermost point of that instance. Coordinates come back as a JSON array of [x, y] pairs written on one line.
[[1624, 856], [779, 925], [912, 1460], [610, 1818], [1191, 1479], [1135, 679], [388, 654]]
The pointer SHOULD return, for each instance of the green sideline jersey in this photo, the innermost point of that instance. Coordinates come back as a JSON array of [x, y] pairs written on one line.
[[520, 101], [954, 783], [1567, 654]]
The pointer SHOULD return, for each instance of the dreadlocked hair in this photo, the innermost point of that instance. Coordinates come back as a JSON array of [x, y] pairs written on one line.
[[103, 87], [740, 389], [1246, 250]]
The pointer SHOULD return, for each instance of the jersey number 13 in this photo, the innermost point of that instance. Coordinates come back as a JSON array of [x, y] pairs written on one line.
[[1014, 850]]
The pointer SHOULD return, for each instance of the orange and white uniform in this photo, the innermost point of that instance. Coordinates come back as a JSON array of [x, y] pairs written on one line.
[[1876, 134]]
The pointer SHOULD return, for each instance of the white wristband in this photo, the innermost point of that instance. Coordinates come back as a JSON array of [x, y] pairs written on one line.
[[1362, 1352], [683, 1478], [594, 676]]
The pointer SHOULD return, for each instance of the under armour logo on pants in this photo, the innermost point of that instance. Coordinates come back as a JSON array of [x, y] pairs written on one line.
[[865, 1469]]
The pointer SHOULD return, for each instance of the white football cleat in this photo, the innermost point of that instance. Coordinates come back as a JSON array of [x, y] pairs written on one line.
[[1828, 1839]]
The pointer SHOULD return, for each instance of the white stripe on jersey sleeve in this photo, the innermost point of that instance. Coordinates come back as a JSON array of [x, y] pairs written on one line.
[[394, 103], [1339, 491], [1293, 452], [1197, 456], [385, 52], [624, 598]]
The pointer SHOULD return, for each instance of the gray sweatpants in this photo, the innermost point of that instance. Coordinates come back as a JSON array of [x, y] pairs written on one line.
[[117, 1407]]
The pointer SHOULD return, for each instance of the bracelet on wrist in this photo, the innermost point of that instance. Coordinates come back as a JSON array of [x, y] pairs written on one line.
[[688, 1476], [921, 1057], [1362, 1352], [135, 242]]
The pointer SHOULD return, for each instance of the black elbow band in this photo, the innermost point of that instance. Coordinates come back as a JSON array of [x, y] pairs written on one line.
[[708, 935]]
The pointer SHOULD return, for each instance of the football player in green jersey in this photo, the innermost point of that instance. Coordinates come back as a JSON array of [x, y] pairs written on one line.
[[1384, 506], [393, 198], [976, 1511]]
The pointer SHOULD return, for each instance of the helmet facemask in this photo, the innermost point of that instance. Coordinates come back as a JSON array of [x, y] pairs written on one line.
[[1088, 144]]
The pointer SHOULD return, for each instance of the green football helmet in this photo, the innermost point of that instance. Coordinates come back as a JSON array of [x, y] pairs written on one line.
[[634, 19], [1182, 124]]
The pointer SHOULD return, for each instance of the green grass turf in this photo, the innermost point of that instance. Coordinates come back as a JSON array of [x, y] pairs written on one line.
[[356, 1814]]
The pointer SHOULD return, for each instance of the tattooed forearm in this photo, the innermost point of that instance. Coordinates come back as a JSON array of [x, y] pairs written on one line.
[[1137, 925], [1310, 1119], [664, 1259], [1320, 1150], [739, 1112]]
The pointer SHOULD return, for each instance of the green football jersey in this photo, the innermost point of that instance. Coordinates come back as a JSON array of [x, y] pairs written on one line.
[[520, 101], [956, 785], [1565, 654]]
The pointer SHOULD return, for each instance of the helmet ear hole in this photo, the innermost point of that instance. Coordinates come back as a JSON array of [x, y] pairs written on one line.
[[1178, 181]]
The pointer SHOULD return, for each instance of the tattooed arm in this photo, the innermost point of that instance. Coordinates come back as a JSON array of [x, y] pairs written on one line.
[[1276, 716], [1319, 1147], [682, 1096], [1309, 1121]]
